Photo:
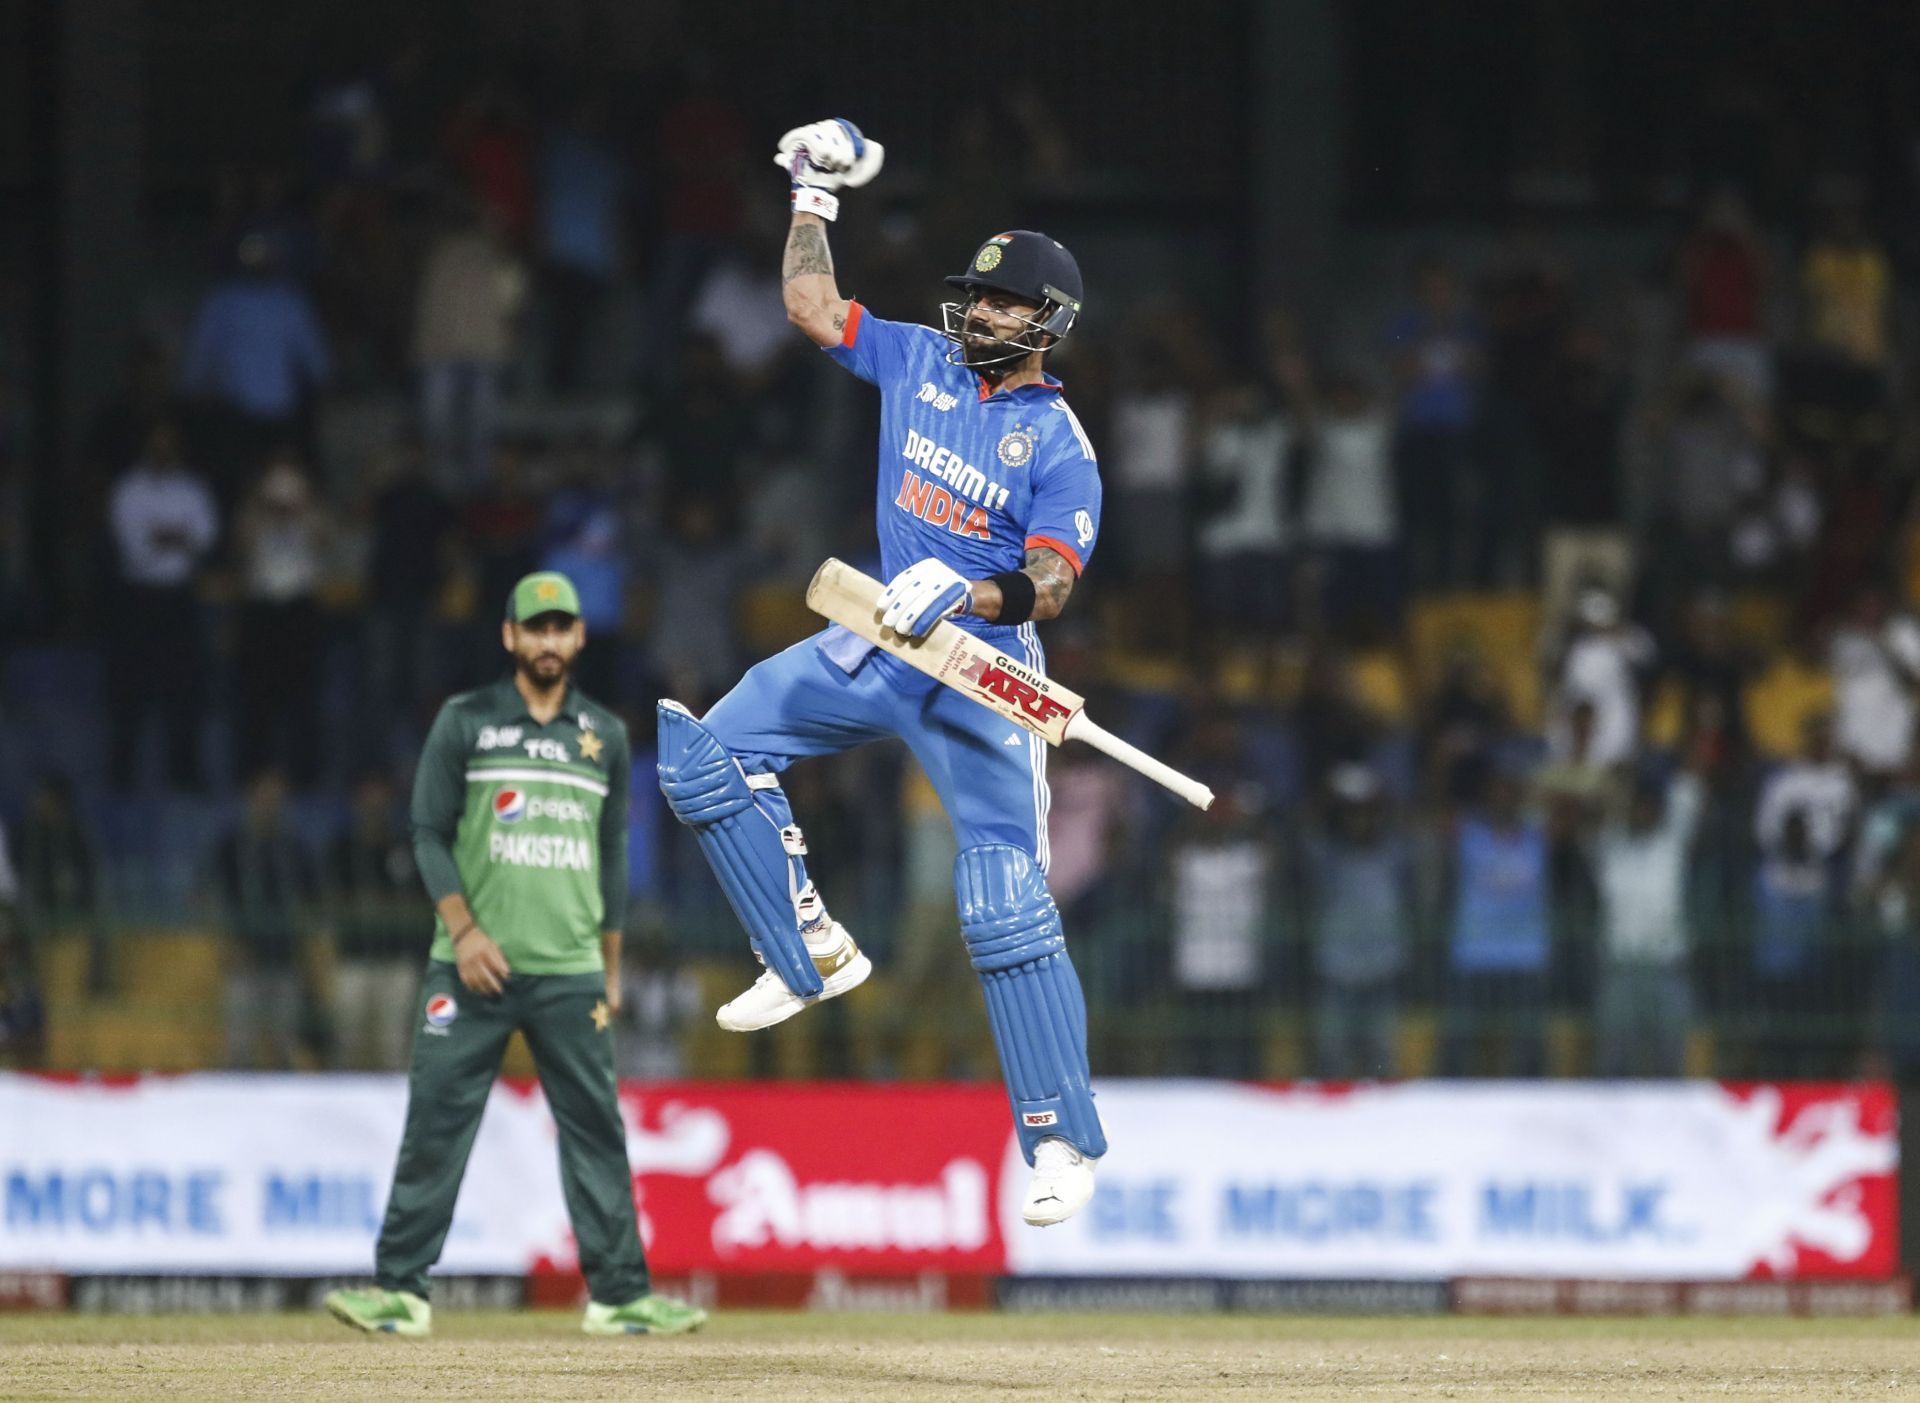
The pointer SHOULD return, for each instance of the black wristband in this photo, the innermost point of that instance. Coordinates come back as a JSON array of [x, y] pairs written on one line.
[[1016, 596]]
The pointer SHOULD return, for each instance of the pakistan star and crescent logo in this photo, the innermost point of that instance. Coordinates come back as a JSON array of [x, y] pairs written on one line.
[[546, 591], [600, 1016], [591, 745]]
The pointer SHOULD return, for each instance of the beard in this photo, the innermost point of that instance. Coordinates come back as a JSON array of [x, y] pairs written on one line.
[[543, 670], [981, 350]]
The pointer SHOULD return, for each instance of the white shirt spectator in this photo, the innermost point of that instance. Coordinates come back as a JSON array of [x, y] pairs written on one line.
[[1642, 879], [742, 312], [1601, 669], [1874, 709], [1252, 457], [1150, 441], [1822, 791], [164, 521], [1219, 907], [1350, 499]]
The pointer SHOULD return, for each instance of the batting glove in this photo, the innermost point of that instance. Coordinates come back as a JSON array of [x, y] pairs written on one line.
[[921, 595], [824, 156]]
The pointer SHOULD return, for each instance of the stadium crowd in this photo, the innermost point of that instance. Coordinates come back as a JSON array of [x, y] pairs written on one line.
[[1549, 644]]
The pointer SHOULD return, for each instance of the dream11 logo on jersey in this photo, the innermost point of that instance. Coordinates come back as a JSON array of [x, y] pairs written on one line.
[[999, 681]]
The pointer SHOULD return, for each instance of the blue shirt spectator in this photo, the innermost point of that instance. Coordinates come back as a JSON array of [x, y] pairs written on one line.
[[257, 345]]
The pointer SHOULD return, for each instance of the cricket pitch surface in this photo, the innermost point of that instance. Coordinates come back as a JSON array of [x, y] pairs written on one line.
[[779, 1356]]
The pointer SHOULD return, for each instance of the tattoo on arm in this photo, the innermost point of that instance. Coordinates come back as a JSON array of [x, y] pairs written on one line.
[[806, 254], [1052, 581]]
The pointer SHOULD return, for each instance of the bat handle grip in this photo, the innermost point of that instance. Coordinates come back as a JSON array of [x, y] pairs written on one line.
[[1083, 728]]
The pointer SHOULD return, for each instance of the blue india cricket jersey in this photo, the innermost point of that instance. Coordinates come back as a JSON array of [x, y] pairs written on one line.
[[969, 478]]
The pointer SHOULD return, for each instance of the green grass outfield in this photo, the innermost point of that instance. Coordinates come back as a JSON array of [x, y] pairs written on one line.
[[763, 1357]]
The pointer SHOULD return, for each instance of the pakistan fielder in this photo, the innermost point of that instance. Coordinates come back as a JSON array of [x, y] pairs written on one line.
[[520, 832], [988, 505]]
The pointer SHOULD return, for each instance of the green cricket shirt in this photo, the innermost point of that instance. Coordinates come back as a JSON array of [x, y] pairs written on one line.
[[529, 822]]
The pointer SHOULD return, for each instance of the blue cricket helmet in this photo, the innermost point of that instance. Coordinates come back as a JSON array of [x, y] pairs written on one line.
[[1032, 267]]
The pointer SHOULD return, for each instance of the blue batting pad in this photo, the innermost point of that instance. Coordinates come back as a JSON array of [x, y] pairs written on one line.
[[741, 832], [1034, 1003]]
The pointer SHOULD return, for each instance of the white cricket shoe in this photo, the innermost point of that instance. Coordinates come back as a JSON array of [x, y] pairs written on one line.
[[1062, 1183], [768, 1000]]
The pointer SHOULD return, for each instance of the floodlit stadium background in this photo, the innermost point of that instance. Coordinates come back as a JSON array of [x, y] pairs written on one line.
[[1507, 419]]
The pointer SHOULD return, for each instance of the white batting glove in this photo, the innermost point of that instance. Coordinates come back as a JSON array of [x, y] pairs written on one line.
[[921, 595], [821, 157]]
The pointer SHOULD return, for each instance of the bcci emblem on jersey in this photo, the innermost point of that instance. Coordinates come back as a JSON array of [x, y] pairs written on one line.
[[1016, 448]]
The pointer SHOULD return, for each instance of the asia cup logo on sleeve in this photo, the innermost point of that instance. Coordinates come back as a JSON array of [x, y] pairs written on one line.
[[441, 1010], [509, 806]]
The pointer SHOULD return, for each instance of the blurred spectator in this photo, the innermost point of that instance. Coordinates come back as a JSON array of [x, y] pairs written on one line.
[[1875, 656], [463, 332], [412, 520], [1331, 720], [1087, 829], [582, 239], [500, 528], [1818, 786], [1579, 423], [1351, 515], [1222, 875], [696, 591], [1711, 466], [1724, 276], [23, 1020], [1847, 287], [381, 924], [1795, 916], [164, 524], [1601, 661], [59, 876], [1894, 920], [702, 144], [1438, 349], [1643, 1007], [254, 361], [1466, 723], [265, 885], [582, 530], [1357, 892], [1576, 772], [705, 431], [1499, 938], [279, 544], [1149, 470], [1709, 665], [660, 1000], [487, 141], [1243, 517]]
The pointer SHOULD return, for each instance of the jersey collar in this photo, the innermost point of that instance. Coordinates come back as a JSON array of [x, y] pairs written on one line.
[[1047, 386], [511, 694]]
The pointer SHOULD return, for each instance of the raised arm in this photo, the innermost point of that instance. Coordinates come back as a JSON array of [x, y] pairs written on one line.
[[820, 159], [813, 299]]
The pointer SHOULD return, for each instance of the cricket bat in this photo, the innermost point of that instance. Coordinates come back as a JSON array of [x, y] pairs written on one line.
[[981, 671]]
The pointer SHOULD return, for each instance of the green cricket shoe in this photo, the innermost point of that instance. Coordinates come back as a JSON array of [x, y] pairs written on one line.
[[381, 1312], [649, 1315]]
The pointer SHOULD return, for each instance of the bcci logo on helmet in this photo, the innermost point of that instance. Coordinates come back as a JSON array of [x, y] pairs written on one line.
[[509, 806]]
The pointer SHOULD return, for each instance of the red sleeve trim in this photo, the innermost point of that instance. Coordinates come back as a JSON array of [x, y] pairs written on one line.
[[1071, 555], [854, 313]]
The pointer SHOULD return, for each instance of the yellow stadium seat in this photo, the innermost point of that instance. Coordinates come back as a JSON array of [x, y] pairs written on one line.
[[773, 616], [1780, 700]]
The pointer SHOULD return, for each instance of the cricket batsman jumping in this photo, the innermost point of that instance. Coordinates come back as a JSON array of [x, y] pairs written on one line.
[[988, 505]]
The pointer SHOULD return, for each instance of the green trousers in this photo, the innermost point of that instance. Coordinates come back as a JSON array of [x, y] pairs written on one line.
[[456, 1056]]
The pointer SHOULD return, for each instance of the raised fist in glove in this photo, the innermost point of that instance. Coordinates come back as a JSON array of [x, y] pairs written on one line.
[[921, 595], [823, 156]]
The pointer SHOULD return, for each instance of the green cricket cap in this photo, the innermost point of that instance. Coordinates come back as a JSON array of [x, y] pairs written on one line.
[[543, 592]]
